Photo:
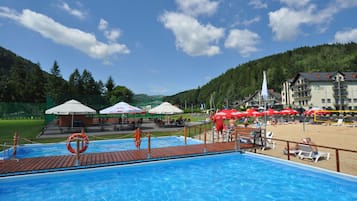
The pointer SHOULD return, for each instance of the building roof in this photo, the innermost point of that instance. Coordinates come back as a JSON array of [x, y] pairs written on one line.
[[325, 76]]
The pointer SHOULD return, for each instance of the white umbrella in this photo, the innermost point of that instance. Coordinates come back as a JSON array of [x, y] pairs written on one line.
[[71, 107], [165, 108], [121, 108]]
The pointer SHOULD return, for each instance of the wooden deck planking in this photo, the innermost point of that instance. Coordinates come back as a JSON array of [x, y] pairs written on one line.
[[53, 163]]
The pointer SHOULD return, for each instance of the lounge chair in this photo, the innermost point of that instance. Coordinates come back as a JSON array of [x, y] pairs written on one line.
[[306, 151], [353, 124], [291, 152], [269, 141], [339, 122]]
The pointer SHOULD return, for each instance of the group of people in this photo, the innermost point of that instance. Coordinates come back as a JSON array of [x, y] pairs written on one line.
[[220, 126]]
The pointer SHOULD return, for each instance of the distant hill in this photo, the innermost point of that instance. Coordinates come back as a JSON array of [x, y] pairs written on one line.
[[245, 79], [142, 100]]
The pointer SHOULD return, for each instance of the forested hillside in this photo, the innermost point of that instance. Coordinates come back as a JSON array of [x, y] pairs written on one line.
[[246, 78], [22, 81]]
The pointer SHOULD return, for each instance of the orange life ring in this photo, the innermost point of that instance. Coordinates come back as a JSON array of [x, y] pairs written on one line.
[[137, 138], [82, 137]]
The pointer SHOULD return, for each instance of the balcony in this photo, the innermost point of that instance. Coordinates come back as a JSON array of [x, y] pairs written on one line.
[[299, 98]]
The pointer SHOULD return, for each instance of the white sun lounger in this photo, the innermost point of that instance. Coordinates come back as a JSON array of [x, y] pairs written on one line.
[[269, 141], [338, 123], [305, 151]]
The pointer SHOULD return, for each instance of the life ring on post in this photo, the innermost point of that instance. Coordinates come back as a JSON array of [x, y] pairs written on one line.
[[137, 137], [78, 136]]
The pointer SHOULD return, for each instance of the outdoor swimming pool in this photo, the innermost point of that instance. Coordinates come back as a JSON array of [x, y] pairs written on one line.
[[217, 177], [55, 149]]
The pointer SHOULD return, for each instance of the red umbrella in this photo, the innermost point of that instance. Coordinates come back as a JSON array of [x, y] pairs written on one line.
[[225, 113], [270, 112], [254, 113], [317, 111], [288, 111], [238, 114]]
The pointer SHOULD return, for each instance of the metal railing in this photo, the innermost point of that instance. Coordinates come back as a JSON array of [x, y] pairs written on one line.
[[336, 149]]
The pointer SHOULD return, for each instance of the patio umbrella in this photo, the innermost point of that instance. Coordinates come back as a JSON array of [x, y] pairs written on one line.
[[270, 112], [121, 108], [254, 113], [317, 111], [165, 108], [238, 114], [71, 107], [288, 111], [225, 113]]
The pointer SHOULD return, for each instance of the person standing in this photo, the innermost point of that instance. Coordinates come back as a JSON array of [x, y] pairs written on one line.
[[219, 123]]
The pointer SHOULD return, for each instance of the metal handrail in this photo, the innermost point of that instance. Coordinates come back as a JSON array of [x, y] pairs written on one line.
[[321, 146]]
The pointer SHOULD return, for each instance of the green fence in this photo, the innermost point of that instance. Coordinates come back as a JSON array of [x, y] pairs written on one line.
[[15, 110]]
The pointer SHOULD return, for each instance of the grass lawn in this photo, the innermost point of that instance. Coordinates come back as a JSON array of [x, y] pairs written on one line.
[[25, 128]]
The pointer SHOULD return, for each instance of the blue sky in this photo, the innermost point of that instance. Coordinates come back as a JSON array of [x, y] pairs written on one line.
[[164, 47]]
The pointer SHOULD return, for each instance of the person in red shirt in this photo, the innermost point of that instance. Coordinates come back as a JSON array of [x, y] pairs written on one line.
[[219, 125]]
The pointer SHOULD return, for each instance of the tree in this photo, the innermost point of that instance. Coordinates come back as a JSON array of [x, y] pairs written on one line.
[[35, 86], [4, 89], [56, 85], [120, 93], [75, 86], [89, 85], [17, 82], [110, 84]]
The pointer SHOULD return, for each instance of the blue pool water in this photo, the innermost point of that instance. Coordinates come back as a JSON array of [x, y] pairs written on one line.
[[55, 149], [218, 177]]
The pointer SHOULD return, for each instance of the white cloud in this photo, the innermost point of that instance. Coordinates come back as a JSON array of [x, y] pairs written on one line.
[[197, 7], [48, 28], [112, 34], [287, 21], [346, 36], [71, 11], [258, 4], [295, 3], [251, 21], [8, 13], [243, 40], [192, 37], [103, 25]]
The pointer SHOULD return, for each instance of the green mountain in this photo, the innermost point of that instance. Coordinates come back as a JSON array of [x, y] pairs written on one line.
[[245, 79]]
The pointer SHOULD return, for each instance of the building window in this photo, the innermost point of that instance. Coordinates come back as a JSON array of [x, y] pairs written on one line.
[[349, 100], [328, 100], [323, 100], [355, 100]]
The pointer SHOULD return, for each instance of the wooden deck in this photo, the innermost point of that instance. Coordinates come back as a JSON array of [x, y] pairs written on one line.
[[58, 163]]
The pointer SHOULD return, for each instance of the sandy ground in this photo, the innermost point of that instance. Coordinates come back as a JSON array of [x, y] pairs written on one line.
[[341, 137]]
